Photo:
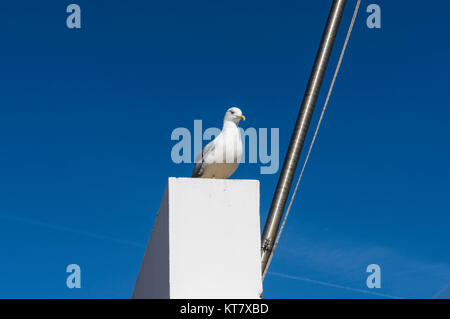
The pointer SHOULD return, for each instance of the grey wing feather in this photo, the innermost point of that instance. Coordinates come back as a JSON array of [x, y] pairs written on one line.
[[200, 160]]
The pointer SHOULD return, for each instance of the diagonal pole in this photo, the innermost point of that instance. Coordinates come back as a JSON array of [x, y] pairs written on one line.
[[300, 130]]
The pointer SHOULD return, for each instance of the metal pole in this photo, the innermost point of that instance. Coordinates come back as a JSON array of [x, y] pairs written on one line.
[[300, 131]]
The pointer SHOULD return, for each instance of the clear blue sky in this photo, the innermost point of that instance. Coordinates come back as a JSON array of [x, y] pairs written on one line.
[[86, 117]]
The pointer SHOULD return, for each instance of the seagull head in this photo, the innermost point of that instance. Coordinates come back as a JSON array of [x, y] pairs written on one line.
[[234, 115]]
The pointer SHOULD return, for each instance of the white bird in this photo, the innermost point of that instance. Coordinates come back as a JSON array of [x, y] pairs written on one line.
[[221, 157]]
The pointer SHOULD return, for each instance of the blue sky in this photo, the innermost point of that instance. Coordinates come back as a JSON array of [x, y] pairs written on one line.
[[86, 117]]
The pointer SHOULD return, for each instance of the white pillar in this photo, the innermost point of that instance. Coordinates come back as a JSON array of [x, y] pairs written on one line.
[[205, 242]]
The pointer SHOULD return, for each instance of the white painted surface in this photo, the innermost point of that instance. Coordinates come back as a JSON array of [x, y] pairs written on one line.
[[205, 242]]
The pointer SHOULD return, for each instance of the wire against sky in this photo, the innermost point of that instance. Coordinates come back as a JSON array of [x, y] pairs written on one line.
[[444, 293], [330, 90], [328, 284], [71, 230]]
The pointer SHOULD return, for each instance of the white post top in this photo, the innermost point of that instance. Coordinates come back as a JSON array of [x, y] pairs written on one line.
[[205, 242]]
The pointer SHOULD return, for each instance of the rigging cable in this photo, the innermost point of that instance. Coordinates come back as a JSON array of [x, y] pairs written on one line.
[[355, 13]]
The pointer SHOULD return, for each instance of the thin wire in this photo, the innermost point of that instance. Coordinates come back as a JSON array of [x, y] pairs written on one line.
[[441, 292], [349, 32]]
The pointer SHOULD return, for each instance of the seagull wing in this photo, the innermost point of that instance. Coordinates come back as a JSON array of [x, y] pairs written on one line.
[[200, 159]]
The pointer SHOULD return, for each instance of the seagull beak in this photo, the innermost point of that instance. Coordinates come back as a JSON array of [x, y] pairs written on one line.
[[241, 117]]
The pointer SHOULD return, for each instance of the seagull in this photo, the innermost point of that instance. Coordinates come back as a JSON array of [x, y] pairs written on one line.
[[221, 157]]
